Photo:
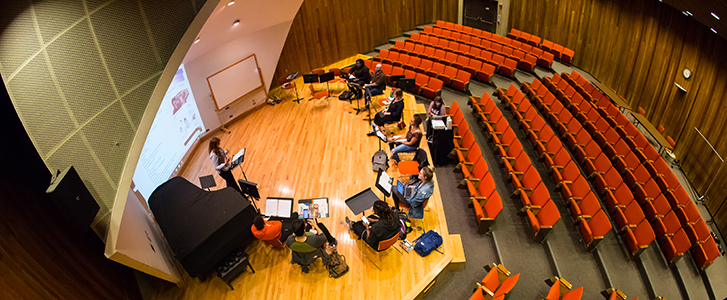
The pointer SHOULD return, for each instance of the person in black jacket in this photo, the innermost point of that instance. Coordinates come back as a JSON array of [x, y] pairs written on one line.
[[360, 75], [384, 224], [390, 114]]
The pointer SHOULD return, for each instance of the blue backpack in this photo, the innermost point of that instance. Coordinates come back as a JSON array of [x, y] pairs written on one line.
[[428, 242]]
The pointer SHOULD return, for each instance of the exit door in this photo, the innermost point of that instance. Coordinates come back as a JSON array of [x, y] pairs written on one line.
[[481, 14]]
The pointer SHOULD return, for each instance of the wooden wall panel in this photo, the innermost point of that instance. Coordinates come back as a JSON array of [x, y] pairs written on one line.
[[639, 48], [326, 31]]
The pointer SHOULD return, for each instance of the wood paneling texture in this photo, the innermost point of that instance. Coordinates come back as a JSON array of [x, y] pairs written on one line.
[[639, 48], [326, 31]]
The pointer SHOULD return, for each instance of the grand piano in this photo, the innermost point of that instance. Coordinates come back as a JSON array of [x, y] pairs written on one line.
[[202, 227]]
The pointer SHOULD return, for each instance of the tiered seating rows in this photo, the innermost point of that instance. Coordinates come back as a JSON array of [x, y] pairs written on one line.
[[593, 223], [466, 34], [484, 198], [534, 195], [451, 74], [558, 51], [626, 152]]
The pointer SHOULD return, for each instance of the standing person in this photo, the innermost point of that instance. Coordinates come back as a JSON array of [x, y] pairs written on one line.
[[383, 225], [222, 163], [360, 75], [436, 108], [413, 137], [390, 114], [377, 85], [306, 246], [423, 189]]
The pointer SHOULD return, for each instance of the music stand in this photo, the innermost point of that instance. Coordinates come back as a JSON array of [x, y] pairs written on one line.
[[310, 78], [361, 201], [289, 79], [384, 183], [207, 182], [326, 77], [394, 79], [249, 188], [406, 84]]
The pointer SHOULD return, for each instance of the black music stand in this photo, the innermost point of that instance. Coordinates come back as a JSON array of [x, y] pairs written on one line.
[[394, 79], [207, 182], [384, 183], [362, 201], [326, 77], [406, 84], [310, 79]]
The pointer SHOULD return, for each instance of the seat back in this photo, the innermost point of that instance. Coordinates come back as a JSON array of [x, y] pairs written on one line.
[[507, 285], [574, 294], [385, 244], [549, 214]]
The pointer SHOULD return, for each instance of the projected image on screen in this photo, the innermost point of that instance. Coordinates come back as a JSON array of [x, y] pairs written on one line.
[[176, 127]]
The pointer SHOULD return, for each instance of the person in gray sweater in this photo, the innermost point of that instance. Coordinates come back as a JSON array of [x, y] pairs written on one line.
[[306, 246]]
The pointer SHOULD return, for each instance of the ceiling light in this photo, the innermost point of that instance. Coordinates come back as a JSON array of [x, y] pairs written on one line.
[[230, 3], [196, 41], [715, 31], [685, 13], [715, 16], [237, 22]]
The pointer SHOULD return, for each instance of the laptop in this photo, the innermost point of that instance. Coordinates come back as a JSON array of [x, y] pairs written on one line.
[[405, 190]]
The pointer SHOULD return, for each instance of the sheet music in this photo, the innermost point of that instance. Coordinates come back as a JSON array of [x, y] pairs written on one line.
[[385, 181], [322, 207], [239, 154], [438, 124], [271, 207], [284, 208]]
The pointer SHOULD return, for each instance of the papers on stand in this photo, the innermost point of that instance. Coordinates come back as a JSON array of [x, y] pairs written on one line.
[[313, 208], [279, 207], [438, 124], [384, 183], [238, 158]]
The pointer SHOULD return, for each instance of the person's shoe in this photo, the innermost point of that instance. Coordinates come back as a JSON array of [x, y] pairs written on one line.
[[371, 133], [348, 223], [305, 269]]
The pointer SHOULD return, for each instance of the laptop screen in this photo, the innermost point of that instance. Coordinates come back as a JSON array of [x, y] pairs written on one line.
[[400, 187]]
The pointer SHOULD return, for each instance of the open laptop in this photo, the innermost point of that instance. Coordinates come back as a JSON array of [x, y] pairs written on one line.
[[406, 191]]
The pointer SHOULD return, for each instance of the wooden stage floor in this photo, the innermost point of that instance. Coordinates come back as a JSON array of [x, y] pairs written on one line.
[[316, 148]]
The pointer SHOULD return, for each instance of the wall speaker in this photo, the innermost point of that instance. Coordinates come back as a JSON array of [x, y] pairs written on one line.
[[73, 200]]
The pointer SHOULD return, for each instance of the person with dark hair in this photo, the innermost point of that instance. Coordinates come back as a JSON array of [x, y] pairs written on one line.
[[377, 85], [436, 108], [383, 225], [390, 114], [360, 75], [222, 163], [306, 246], [407, 143], [423, 189], [269, 232]]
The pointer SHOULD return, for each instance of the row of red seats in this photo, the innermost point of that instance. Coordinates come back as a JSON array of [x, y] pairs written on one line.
[[429, 87], [436, 60], [449, 75], [496, 284], [505, 60], [654, 185], [582, 202], [476, 36], [558, 51], [484, 198], [534, 195]]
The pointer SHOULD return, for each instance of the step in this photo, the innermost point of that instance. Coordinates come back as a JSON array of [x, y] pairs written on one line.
[[398, 38], [408, 33], [458, 255]]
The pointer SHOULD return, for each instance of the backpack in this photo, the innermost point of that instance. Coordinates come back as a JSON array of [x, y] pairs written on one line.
[[336, 264], [428, 242], [345, 95], [380, 161], [405, 225]]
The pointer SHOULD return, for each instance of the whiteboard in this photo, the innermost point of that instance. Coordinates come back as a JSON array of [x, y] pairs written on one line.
[[235, 81]]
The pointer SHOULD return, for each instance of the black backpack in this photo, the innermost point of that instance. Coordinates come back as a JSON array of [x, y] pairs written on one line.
[[345, 95]]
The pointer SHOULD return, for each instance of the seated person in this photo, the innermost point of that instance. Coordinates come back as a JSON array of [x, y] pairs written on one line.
[[407, 143], [390, 114], [360, 75], [383, 225], [423, 189], [305, 246], [377, 85], [269, 232]]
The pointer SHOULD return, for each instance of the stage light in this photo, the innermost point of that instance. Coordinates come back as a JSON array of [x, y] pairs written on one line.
[[715, 31], [237, 22], [715, 16], [230, 3], [196, 41]]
